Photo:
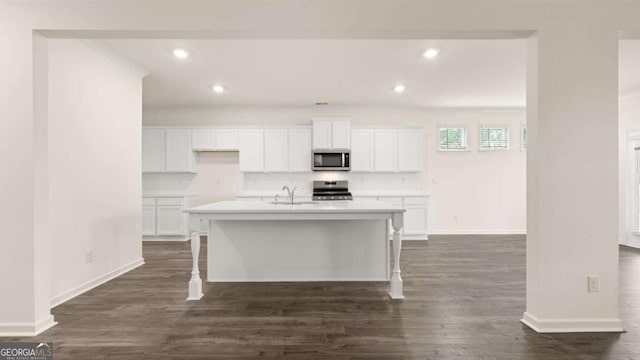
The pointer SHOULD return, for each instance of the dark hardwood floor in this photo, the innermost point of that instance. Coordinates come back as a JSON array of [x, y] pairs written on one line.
[[465, 297]]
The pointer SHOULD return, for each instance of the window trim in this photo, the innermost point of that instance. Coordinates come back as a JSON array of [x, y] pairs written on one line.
[[440, 149], [493, 126]]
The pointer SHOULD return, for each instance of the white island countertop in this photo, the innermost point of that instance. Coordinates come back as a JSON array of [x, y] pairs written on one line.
[[319, 207], [343, 240]]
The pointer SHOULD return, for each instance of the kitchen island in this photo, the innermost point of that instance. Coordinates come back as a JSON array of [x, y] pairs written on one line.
[[252, 241]]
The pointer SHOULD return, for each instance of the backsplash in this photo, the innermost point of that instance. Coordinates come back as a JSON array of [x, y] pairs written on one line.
[[358, 182]]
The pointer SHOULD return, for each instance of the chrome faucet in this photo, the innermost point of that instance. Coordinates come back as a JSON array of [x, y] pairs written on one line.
[[290, 193]]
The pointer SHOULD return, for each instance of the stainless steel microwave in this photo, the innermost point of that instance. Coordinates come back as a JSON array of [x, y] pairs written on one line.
[[331, 160]]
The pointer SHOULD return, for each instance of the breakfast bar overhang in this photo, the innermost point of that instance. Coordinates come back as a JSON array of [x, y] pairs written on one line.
[[251, 241]]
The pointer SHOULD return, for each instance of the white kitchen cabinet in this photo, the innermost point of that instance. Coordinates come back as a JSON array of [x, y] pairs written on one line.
[[170, 220], [149, 219], [322, 134], [331, 133], [300, 150], [341, 134], [362, 150], [226, 139], [251, 147], [416, 216], [385, 150], [167, 150], [214, 140], [179, 155], [203, 140], [276, 150], [164, 216], [152, 150], [410, 150], [415, 220]]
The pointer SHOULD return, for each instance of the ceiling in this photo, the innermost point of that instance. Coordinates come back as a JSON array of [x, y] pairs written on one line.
[[466, 73]]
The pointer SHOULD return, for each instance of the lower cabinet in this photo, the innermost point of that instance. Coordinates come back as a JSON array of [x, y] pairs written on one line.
[[415, 218], [164, 216], [148, 220]]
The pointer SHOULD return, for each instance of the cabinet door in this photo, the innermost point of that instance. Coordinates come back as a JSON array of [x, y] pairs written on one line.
[[227, 139], [170, 220], [362, 150], [341, 134], [322, 134], [179, 155], [149, 220], [410, 150], [276, 150], [203, 139], [385, 150], [152, 150], [251, 146], [415, 220], [299, 150]]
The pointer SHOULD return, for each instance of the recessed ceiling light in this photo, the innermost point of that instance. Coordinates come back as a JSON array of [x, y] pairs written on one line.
[[399, 88], [180, 53], [218, 89], [431, 53]]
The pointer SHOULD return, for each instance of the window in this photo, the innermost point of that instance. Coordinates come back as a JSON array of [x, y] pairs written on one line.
[[494, 138], [524, 137], [453, 139]]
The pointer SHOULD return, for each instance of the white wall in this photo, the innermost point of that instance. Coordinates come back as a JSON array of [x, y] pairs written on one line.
[[629, 120], [95, 110], [556, 79], [472, 192]]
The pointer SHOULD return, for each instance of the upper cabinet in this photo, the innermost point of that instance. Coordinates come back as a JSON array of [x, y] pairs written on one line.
[[299, 149], [331, 133], [215, 139], [152, 150], [179, 156], [167, 150], [362, 150], [276, 150], [385, 150], [410, 150], [341, 134], [251, 146], [226, 139]]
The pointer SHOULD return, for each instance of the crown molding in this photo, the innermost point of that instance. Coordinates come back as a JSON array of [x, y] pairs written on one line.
[[118, 58]]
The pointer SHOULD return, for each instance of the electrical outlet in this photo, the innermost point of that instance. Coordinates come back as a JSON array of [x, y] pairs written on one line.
[[593, 283], [88, 256]]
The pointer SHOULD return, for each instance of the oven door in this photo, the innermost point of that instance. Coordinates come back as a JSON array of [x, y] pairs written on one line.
[[330, 161]]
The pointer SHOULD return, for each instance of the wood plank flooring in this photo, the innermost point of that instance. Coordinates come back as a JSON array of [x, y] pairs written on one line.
[[465, 296]]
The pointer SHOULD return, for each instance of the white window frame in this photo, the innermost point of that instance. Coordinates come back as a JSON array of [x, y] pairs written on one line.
[[494, 126], [440, 127], [524, 140]]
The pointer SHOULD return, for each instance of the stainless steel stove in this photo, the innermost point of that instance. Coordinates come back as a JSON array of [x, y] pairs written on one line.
[[331, 190]]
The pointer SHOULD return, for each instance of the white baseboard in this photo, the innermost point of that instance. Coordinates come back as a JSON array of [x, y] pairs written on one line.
[[571, 325], [26, 329], [82, 288], [480, 232]]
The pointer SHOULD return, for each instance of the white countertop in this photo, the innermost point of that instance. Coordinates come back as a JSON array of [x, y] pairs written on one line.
[[167, 194], [322, 207], [355, 194]]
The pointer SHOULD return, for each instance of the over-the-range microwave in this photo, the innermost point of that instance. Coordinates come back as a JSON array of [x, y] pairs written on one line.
[[331, 160]]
